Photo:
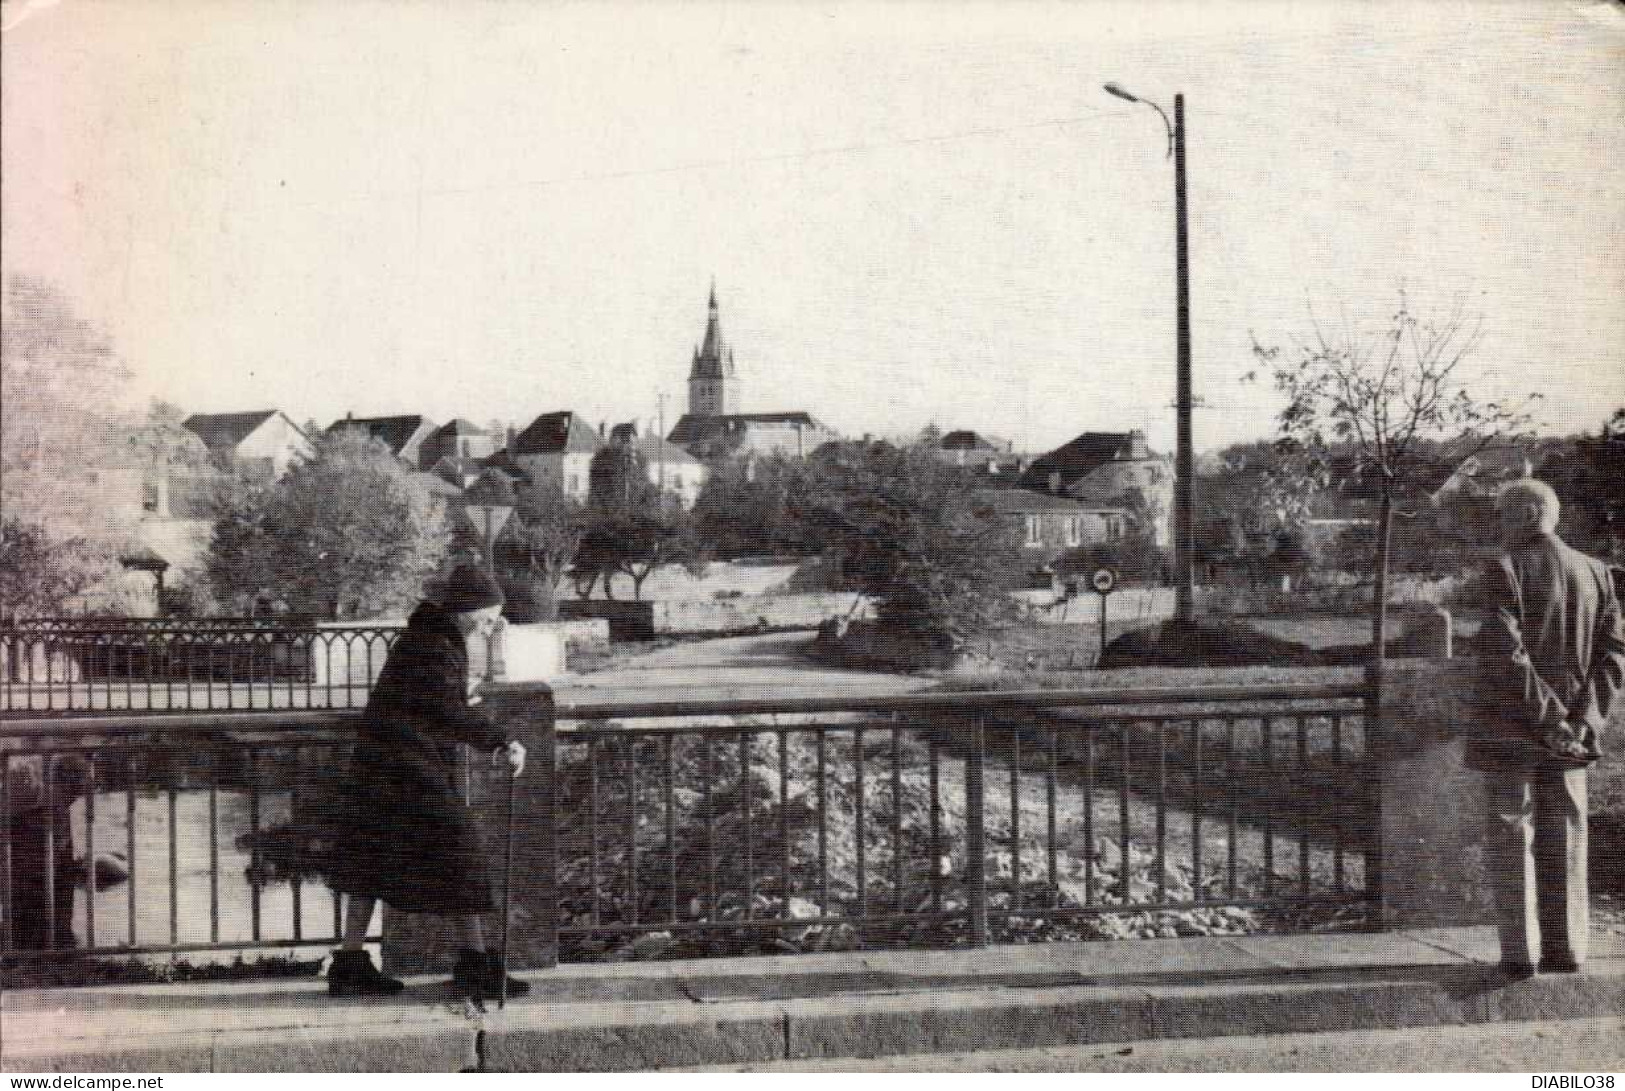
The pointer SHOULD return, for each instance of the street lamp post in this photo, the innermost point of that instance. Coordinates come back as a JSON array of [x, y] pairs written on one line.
[[1184, 460]]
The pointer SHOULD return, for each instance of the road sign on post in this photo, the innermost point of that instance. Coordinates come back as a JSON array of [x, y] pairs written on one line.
[[1103, 580]]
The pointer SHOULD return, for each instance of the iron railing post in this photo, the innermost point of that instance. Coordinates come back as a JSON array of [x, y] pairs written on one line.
[[976, 835], [1374, 755], [543, 820]]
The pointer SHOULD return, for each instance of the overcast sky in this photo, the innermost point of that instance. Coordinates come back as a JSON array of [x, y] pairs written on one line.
[[913, 213]]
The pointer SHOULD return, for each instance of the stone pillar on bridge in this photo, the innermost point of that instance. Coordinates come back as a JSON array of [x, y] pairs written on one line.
[[1432, 804], [416, 944]]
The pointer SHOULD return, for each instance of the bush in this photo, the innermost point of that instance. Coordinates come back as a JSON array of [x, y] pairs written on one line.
[[1135, 559], [530, 599], [1204, 644]]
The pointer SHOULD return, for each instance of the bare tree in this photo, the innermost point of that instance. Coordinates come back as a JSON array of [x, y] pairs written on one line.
[[1376, 403]]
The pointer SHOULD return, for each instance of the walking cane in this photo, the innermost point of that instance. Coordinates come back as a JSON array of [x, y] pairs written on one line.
[[507, 892]]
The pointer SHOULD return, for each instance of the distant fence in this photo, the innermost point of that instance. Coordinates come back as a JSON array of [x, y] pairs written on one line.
[[106, 664]]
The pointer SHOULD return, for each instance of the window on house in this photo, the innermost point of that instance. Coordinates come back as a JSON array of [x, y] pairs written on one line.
[[149, 496], [1034, 535], [573, 484], [1114, 527], [1073, 527]]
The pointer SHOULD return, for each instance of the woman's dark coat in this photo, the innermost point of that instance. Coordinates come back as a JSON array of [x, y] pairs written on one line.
[[402, 831]]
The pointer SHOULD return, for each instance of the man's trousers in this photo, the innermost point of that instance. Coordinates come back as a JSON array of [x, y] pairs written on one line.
[[1536, 854]]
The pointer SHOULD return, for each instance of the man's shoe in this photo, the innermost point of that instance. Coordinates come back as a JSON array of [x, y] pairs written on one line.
[[478, 975], [1559, 966], [1517, 971], [353, 974]]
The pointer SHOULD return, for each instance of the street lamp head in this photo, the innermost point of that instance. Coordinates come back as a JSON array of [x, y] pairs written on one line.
[[1114, 89]]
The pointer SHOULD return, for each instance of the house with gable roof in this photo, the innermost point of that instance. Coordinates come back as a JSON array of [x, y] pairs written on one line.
[[1046, 525], [458, 439], [557, 447], [987, 456], [1108, 469], [405, 436], [264, 442], [671, 469]]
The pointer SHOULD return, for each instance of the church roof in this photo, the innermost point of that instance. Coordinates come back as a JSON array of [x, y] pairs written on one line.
[[696, 427]]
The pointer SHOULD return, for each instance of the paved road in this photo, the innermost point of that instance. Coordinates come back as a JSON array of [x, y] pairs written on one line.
[[770, 664], [1570, 1046]]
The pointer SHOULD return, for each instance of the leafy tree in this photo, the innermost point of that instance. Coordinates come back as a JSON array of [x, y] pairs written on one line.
[[347, 533], [1587, 473], [910, 536], [160, 444], [58, 374], [1377, 399], [62, 488], [635, 543], [1265, 487], [629, 528], [242, 565], [618, 478], [744, 507], [38, 575], [539, 544]]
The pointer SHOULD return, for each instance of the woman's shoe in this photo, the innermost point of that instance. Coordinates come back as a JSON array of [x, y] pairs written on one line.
[[478, 975], [353, 974]]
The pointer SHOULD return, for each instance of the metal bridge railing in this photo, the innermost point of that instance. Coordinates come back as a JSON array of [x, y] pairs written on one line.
[[947, 818], [921, 820], [169, 797]]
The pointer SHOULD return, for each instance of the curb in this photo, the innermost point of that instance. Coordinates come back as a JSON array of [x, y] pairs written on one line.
[[689, 1033]]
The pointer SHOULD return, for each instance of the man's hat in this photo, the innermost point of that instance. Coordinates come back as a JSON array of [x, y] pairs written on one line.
[[469, 588]]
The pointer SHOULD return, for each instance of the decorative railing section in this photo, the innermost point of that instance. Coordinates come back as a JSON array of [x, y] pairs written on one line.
[[100, 665]]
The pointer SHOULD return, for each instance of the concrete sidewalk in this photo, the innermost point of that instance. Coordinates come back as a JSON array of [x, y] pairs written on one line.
[[760, 1010]]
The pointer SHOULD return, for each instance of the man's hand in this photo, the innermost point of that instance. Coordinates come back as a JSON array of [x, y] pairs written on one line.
[[513, 753]]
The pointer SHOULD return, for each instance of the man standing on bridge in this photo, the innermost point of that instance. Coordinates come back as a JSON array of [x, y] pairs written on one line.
[[1554, 647]]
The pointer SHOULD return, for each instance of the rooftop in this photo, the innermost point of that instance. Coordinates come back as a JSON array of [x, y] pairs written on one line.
[[224, 431]]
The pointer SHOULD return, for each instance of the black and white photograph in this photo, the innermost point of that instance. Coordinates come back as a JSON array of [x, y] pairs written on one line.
[[814, 536]]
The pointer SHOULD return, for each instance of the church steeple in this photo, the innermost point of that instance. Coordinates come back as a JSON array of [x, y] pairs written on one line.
[[713, 382]]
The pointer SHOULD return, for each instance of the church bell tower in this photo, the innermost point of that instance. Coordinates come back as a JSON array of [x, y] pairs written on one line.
[[713, 384]]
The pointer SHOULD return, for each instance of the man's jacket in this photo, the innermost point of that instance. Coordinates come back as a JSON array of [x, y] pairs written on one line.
[[1553, 650]]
